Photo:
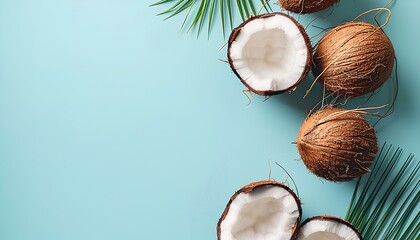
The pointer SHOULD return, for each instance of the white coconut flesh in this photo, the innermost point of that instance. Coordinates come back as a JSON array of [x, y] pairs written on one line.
[[266, 213], [326, 230], [270, 54]]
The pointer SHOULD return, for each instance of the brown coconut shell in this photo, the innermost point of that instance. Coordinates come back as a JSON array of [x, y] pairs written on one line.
[[334, 219], [306, 6], [256, 185], [353, 59], [238, 29], [337, 144]]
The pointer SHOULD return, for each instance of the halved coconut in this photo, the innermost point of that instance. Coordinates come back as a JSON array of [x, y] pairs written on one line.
[[270, 53], [265, 210], [328, 228]]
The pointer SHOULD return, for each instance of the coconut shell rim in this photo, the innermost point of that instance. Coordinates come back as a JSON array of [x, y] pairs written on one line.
[[247, 189], [308, 62], [333, 219]]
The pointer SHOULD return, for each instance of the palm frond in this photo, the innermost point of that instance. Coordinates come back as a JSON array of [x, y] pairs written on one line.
[[384, 204], [199, 11]]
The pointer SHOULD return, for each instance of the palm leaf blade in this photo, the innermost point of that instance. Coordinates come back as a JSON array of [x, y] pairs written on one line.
[[412, 228], [251, 5], [383, 209], [246, 8], [266, 5], [229, 5], [188, 14], [382, 205], [184, 6], [197, 16], [207, 10], [160, 2], [241, 11], [171, 8], [213, 5], [222, 15], [202, 16]]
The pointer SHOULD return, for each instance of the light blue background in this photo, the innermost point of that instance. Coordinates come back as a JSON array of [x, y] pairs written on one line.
[[114, 125]]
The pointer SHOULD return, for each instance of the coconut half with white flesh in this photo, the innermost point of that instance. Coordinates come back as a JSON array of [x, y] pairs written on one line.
[[328, 228], [265, 210], [270, 53]]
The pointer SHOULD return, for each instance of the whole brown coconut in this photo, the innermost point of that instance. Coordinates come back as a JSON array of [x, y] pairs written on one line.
[[306, 6], [353, 59], [337, 144]]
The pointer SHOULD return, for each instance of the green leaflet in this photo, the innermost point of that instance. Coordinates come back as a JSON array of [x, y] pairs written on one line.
[[197, 12], [213, 5], [222, 16], [384, 204]]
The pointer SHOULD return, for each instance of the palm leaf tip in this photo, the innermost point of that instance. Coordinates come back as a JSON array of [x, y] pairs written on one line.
[[161, 2], [384, 203], [206, 12]]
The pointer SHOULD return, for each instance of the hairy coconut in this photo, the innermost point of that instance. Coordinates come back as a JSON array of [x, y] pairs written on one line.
[[337, 144], [265, 210], [306, 6], [328, 228], [270, 53], [353, 59]]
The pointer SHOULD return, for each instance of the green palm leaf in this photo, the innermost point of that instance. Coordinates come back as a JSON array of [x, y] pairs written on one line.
[[199, 11], [384, 204]]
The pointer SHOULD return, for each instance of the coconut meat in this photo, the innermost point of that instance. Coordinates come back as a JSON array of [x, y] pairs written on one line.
[[265, 213], [270, 54], [326, 230]]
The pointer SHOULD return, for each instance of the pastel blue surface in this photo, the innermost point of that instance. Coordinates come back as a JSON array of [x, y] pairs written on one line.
[[114, 125]]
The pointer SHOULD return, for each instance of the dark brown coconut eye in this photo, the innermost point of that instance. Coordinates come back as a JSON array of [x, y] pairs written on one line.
[[265, 210], [306, 6], [270, 53], [328, 228], [353, 59], [337, 144]]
